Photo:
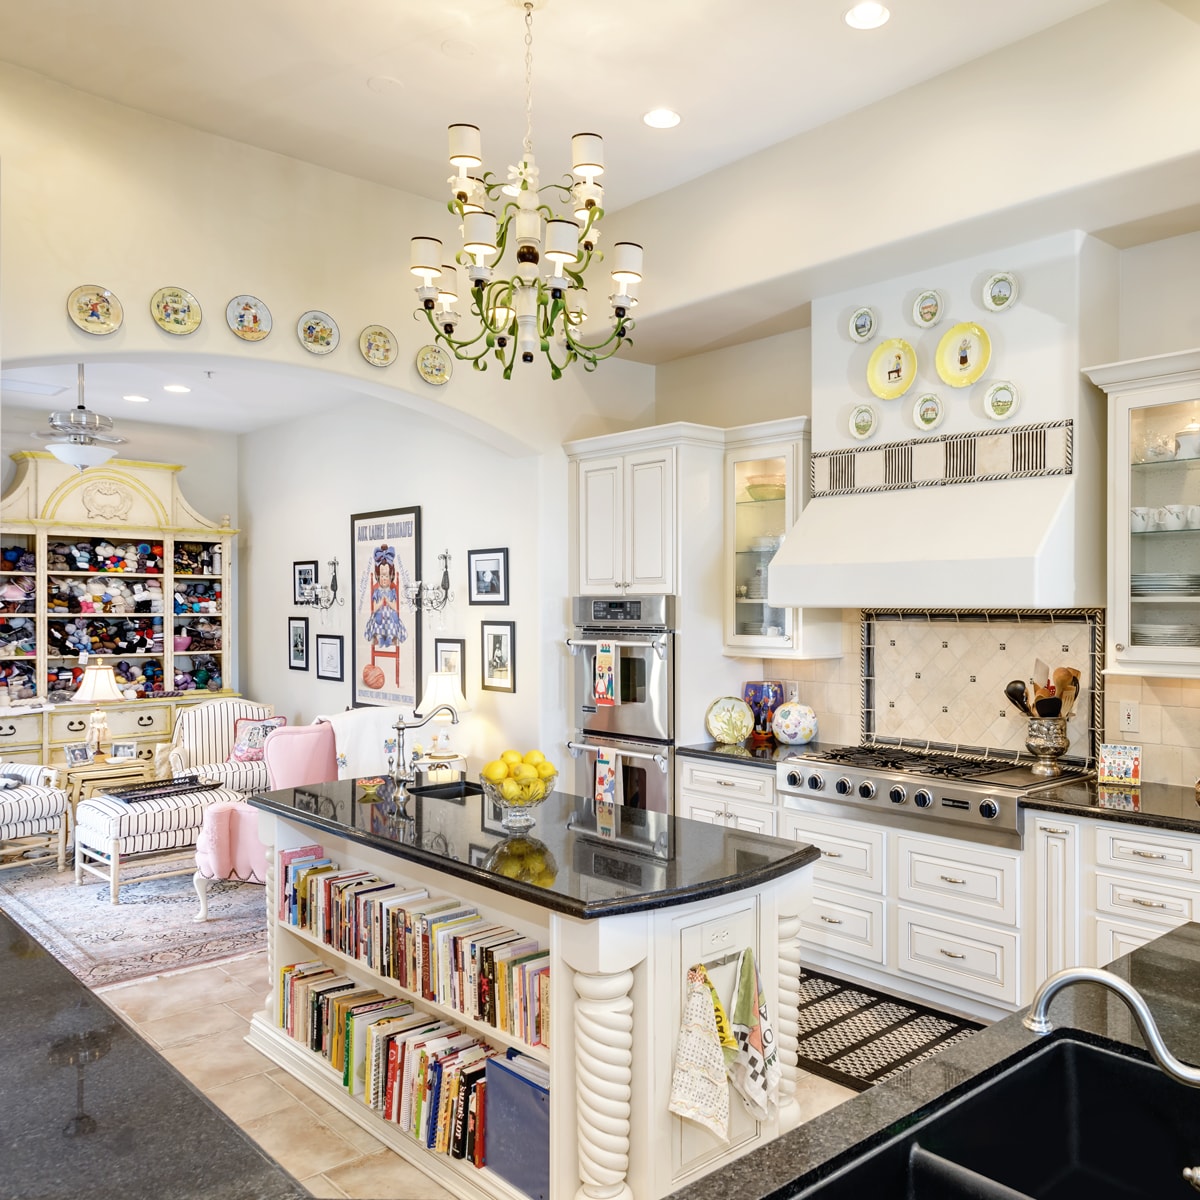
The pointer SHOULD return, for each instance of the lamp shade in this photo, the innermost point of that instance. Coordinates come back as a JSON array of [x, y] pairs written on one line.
[[587, 155], [80, 454], [426, 258], [98, 685], [442, 687], [479, 234]]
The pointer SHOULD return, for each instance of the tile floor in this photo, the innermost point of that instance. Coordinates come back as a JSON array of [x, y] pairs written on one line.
[[198, 1019]]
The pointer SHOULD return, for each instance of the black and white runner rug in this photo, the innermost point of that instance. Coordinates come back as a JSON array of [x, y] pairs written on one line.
[[858, 1037]]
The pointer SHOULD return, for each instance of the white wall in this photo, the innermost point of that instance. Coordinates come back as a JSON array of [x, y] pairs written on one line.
[[1159, 313]]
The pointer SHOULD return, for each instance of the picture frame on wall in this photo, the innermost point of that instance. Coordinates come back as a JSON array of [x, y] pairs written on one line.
[[303, 575], [298, 643], [498, 656], [450, 654], [331, 657], [385, 566], [487, 576]]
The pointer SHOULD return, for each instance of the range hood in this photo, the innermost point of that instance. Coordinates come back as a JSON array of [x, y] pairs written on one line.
[[997, 544]]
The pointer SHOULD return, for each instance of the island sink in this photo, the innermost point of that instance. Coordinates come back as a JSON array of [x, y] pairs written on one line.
[[1070, 1120], [455, 790]]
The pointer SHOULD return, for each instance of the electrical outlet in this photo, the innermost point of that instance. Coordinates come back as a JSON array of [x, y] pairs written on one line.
[[793, 690], [1129, 716]]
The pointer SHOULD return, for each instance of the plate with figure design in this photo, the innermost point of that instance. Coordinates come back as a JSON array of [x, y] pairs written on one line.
[[248, 317], [318, 332], [176, 311], [378, 345], [95, 309], [434, 365], [891, 369], [963, 354]]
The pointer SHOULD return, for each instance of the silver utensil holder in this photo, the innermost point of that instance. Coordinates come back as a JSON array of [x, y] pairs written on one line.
[[1046, 739]]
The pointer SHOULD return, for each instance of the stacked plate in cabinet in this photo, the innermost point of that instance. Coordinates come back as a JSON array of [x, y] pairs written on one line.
[[1161, 583], [1166, 635]]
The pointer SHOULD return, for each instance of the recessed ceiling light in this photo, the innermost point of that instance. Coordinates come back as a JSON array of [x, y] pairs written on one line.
[[175, 387], [867, 15], [661, 118], [137, 399]]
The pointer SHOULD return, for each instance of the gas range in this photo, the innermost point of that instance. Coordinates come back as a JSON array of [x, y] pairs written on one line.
[[952, 795]]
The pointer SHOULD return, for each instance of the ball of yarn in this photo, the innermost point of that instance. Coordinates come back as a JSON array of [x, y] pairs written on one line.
[[372, 677]]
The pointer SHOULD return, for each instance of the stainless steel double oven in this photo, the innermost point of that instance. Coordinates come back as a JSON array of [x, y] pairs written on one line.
[[631, 638]]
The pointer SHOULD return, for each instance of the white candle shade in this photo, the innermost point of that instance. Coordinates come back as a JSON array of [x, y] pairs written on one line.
[[448, 284], [587, 155], [466, 147], [562, 241], [479, 233], [426, 258], [627, 262]]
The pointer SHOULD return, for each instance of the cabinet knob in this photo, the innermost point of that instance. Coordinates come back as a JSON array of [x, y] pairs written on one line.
[[1120, 646]]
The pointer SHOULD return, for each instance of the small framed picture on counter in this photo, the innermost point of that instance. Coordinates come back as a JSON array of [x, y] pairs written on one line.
[[78, 754]]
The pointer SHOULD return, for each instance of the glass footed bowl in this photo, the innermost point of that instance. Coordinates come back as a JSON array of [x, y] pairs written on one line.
[[524, 859], [517, 798]]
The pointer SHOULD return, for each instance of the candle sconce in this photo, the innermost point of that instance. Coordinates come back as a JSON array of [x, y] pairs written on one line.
[[323, 595], [432, 599]]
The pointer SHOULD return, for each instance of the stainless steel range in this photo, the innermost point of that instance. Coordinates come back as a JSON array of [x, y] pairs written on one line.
[[940, 793]]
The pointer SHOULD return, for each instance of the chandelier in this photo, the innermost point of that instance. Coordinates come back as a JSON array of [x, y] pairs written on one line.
[[539, 300]]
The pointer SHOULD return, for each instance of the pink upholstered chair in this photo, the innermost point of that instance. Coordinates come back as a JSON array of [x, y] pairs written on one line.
[[228, 848], [297, 755]]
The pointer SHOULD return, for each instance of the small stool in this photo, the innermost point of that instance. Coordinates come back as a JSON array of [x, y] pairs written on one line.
[[33, 815], [159, 830], [228, 848]]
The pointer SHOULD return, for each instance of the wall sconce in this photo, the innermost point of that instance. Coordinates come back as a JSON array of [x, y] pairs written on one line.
[[323, 595], [432, 599]]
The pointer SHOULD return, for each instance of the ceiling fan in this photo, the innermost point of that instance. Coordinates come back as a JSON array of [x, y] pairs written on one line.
[[79, 437]]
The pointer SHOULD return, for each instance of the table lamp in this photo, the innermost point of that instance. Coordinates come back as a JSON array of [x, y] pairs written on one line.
[[442, 687], [98, 686]]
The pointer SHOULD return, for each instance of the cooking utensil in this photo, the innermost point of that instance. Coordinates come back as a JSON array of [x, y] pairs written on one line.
[[1049, 706], [1015, 691], [1068, 700], [1065, 677]]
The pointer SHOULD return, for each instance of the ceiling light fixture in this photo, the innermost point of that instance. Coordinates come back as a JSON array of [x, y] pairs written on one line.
[[869, 14], [527, 310], [176, 387], [79, 437], [661, 118], [137, 399]]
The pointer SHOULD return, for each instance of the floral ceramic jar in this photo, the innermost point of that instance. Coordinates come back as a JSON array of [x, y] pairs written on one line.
[[794, 723]]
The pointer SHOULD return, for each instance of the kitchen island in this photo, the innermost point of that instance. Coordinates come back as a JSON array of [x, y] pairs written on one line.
[[623, 904]]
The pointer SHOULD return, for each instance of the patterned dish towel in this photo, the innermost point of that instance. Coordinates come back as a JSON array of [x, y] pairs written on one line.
[[699, 1087], [604, 682], [754, 1066]]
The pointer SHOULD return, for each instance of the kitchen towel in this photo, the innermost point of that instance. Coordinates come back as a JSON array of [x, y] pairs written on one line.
[[699, 1087], [607, 778], [754, 1069], [363, 740], [604, 685]]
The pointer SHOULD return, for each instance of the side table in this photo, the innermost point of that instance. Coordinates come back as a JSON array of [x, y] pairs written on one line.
[[84, 781]]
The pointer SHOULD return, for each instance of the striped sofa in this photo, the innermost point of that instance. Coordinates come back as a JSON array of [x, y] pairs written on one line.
[[33, 814], [164, 829]]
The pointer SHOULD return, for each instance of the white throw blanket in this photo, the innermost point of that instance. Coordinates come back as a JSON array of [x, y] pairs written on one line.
[[364, 739]]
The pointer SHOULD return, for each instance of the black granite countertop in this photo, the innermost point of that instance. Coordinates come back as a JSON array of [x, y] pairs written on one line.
[[1167, 974], [742, 754], [1158, 805], [638, 860], [146, 1130]]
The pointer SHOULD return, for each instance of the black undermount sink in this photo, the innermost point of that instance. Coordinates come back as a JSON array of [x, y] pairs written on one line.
[[1070, 1121], [457, 790]]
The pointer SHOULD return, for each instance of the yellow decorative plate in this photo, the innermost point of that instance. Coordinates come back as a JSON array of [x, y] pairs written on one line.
[[963, 354], [434, 365], [176, 311], [95, 309], [892, 369]]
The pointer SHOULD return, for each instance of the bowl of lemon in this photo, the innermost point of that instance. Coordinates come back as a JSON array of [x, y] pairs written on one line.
[[518, 783], [523, 858]]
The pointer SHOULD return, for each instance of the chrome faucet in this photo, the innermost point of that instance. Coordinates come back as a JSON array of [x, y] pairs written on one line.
[[1037, 1022], [401, 772]]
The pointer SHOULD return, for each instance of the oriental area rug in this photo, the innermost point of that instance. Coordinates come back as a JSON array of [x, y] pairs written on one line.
[[150, 932], [858, 1037]]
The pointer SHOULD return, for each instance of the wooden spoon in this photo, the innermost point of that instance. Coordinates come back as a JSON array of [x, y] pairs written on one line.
[[1068, 699], [1064, 677]]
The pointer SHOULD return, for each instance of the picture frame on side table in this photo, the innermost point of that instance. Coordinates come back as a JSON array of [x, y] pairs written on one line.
[[303, 574], [487, 576], [498, 656], [331, 657], [78, 754], [298, 643], [450, 654], [125, 751], [385, 566]]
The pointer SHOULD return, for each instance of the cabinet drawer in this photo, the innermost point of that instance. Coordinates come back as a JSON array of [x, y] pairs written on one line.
[[851, 856], [72, 725], [1145, 900], [958, 954], [152, 720], [749, 784], [1150, 851], [20, 731], [958, 879], [844, 922]]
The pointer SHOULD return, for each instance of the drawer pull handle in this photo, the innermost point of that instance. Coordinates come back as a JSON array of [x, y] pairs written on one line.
[[951, 879], [9, 731], [951, 954], [831, 920], [1148, 854], [76, 726], [145, 721], [1051, 829], [726, 783], [1147, 903], [831, 853]]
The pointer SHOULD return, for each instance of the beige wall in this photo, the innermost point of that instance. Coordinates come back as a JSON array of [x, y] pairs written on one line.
[[1159, 313]]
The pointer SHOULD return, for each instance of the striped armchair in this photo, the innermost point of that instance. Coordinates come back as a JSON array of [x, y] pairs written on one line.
[[203, 741], [33, 814]]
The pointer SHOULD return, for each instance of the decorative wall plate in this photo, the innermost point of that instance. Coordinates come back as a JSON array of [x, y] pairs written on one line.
[[863, 324], [1001, 401], [1000, 291], [248, 317], [318, 332], [928, 412], [729, 720], [963, 354], [95, 309], [927, 308], [892, 369], [176, 311], [378, 345], [434, 365], [864, 420]]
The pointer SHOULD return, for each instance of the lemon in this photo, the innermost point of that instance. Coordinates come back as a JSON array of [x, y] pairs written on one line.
[[522, 771], [510, 790], [495, 771], [534, 757], [511, 756], [546, 769]]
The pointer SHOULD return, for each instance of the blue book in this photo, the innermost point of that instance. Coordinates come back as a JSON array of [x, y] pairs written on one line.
[[516, 1129]]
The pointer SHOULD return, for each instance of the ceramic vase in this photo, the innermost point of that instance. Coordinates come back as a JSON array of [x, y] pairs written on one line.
[[794, 723], [764, 696]]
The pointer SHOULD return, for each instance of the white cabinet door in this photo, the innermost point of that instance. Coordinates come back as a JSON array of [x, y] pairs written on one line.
[[754, 818], [701, 808], [601, 525], [1056, 896], [650, 521]]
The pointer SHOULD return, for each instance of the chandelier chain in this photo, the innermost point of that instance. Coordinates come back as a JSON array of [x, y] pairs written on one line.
[[528, 78]]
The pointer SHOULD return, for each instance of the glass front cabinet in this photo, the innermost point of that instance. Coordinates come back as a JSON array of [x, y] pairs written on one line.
[[1154, 514], [766, 486]]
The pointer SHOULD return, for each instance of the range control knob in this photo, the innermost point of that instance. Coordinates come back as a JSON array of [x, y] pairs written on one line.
[[989, 809], [898, 794], [816, 782], [843, 787], [866, 790], [923, 798], [794, 779]]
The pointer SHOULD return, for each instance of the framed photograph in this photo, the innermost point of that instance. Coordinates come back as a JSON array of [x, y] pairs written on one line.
[[450, 654], [476, 854], [498, 647], [487, 574], [303, 574], [331, 656], [385, 565], [491, 817], [304, 801], [125, 750], [78, 754], [298, 643]]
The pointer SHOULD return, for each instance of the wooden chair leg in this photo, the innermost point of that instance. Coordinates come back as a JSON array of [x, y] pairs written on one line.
[[114, 867], [62, 844]]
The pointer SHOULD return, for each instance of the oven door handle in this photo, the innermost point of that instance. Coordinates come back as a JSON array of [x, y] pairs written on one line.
[[578, 748], [658, 644]]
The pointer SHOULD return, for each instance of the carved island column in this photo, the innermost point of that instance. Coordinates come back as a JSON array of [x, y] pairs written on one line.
[[787, 1037]]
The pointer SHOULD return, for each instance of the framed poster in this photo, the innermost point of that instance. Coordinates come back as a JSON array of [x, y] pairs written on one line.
[[331, 656], [487, 575], [450, 654], [385, 564], [498, 654], [298, 643], [303, 574]]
